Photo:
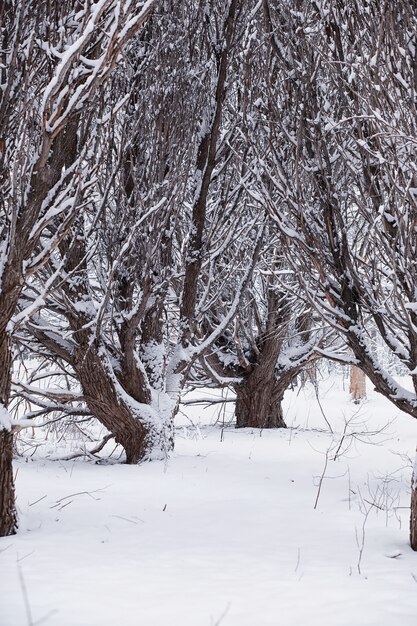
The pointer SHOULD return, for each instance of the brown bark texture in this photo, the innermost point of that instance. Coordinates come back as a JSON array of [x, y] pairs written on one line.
[[258, 404], [8, 516], [110, 400], [357, 384], [107, 405]]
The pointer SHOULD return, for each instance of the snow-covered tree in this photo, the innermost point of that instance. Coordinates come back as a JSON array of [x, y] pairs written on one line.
[[344, 175], [132, 296], [274, 335], [272, 339], [54, 59]]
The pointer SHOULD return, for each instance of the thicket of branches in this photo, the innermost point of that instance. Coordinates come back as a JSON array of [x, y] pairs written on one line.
[[214, 194]]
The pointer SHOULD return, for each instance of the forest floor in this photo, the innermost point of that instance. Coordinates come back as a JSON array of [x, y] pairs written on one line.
[[238, 528]]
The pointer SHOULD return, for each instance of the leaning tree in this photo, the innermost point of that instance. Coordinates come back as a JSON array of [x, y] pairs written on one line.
[[54, 59], [131, 298], [344, 175]]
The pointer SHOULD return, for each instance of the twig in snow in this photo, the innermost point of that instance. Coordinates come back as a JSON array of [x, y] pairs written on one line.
[[360, 542], [326, 462], [222, 616], [38, 500], [132, 521], [298, 560], [84, 452], [22, 558], [64, 505], [80, 493], [316, 391], [25, 596]]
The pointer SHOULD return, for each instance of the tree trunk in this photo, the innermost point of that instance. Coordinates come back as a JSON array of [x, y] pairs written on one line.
[[8, 516], [413, 511], [258, 404], [109, 406], [120, 401], [357, 384]]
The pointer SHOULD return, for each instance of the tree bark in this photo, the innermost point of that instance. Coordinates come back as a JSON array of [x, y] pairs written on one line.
[[357, 384], [413, 509], [258, 404], [108, 405], [8, 516]]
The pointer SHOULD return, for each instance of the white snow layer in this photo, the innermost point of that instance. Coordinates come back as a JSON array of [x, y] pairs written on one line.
[[226, 532]]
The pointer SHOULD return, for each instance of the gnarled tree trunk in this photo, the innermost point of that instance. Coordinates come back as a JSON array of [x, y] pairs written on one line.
[[110, 408], [258, 403]]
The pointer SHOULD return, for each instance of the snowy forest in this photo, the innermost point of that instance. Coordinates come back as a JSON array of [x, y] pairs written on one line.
[[208, 231]]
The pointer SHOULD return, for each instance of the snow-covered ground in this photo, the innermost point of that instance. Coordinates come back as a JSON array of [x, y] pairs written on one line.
[[238, 528]]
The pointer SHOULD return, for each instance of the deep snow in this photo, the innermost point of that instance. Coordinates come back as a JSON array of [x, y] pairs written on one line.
[[226, 531]]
